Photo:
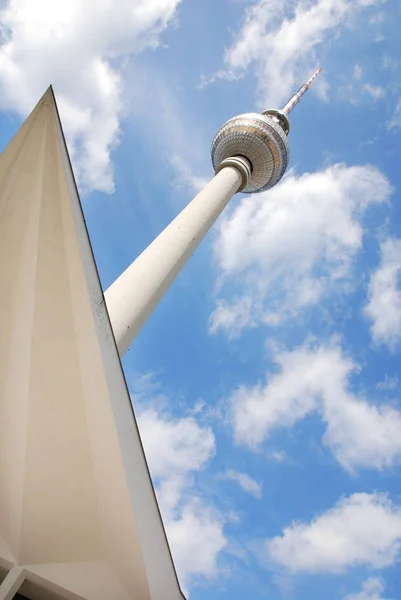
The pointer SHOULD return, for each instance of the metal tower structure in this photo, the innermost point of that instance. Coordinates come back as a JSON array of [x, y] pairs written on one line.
[[250, 154]]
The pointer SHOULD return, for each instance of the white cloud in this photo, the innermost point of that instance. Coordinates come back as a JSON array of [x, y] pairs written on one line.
[[315, 380], [232, 318], [388, 383], [384, 305], [278, 456], [358, 71], [375, 91], [378, 18], [196, 540], [363, 529], [286, 247], [372, 589], [357, 94], [245, 482], [79, 47], [395, 120], [175, 449], [281, 41], [185, 177], [390, 63]]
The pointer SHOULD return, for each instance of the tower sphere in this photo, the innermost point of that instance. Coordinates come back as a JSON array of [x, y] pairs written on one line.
[[261, 139]]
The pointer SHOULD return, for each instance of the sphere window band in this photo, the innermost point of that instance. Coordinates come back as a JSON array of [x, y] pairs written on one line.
[[261, 140]]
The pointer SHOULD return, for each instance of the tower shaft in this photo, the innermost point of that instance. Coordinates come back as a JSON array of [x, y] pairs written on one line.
[[132, 298], [249, 153], [297, 97]]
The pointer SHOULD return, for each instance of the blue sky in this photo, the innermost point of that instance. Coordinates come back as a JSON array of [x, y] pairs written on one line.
[[266, 383]]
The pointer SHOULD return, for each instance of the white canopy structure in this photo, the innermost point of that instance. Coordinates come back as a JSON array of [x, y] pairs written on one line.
[[78, 514]]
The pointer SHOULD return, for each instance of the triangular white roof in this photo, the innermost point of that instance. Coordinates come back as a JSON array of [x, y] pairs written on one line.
[[78, 514]]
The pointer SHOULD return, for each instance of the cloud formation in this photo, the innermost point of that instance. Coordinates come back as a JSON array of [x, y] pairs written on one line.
[[246, 483], [395, 120], [384, 304], [363, 529], [375, 91], [79, 47], [280, 42], [284, 249], [372, 589], [175, 449], [316, 380]]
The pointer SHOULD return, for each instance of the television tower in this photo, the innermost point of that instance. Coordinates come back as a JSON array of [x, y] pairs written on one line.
[[250, 154]]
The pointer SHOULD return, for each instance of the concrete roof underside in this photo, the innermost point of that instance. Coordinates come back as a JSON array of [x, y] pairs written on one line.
[[78, 512]]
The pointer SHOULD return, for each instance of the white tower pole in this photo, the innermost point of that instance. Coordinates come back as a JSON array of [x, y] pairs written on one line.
[[250, 153], [135, 294]]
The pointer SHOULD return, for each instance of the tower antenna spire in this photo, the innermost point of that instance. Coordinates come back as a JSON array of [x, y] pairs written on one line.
[[297, 97]]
